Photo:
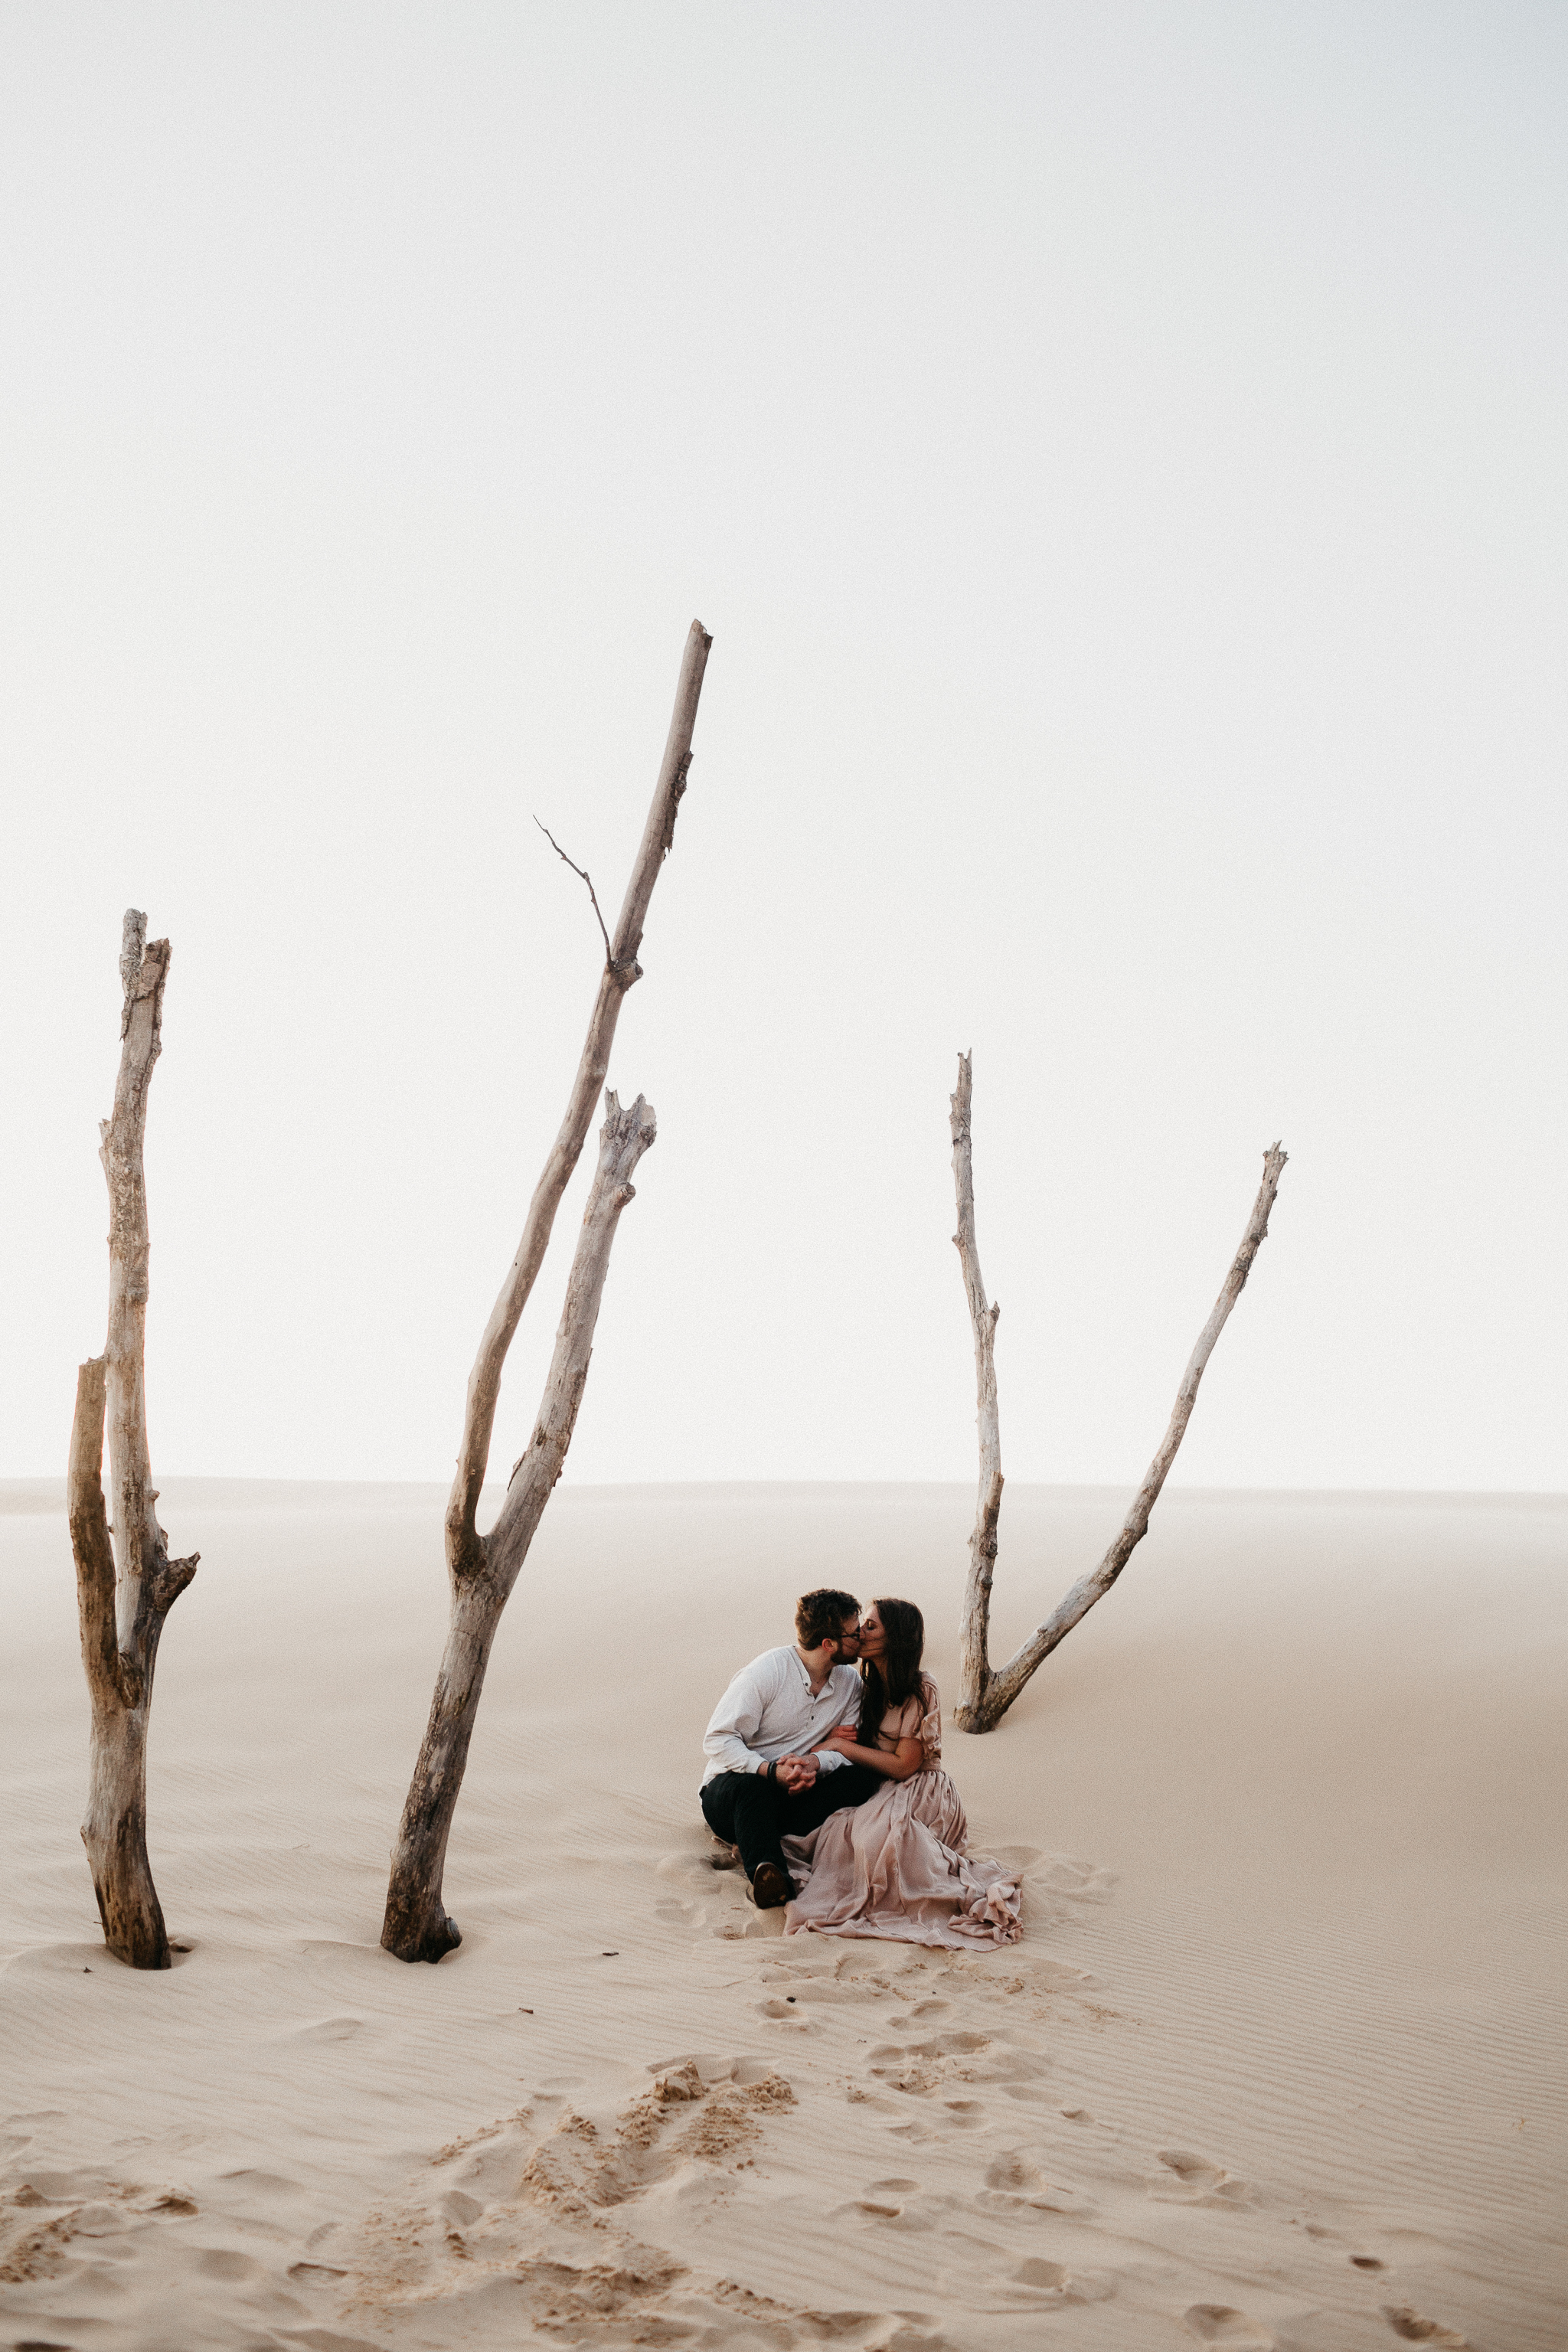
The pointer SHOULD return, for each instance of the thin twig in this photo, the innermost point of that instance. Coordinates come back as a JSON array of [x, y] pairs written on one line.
[[581, 870]]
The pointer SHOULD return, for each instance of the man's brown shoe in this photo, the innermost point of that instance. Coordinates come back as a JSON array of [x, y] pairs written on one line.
[[770, 1888]]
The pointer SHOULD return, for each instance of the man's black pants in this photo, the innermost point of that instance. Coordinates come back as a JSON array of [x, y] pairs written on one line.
[[755, 1814]]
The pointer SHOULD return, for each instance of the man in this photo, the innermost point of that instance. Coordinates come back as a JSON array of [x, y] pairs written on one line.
[[767, 1777]]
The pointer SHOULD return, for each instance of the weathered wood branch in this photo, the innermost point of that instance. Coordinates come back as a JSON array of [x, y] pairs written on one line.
[[138, 1539], [110, 1676], [972, 1636], [482, 1569], [986, 1693], [622, 970], [123, 1617], [416, 1926]]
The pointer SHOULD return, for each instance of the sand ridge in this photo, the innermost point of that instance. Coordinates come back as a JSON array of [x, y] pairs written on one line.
[[1219, 2095]]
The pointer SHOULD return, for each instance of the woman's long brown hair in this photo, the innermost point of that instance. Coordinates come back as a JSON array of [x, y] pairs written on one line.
[[890, 1680]]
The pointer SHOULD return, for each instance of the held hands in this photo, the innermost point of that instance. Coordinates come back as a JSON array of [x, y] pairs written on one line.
[[795, 1772]]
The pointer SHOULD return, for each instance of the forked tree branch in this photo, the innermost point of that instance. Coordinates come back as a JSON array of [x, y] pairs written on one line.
[[416, 1926], [986, 1693], [624, 1137], [465, 1551], [483, 1568]]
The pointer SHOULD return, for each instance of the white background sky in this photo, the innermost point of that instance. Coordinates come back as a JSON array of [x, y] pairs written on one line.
[[1119, 455]]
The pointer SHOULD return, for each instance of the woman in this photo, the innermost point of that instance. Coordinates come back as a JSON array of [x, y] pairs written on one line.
[[896, 1866]]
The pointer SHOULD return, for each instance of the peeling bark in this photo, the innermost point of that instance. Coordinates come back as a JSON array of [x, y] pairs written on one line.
[[123, 1613], [482, 1568], [986, 1693]]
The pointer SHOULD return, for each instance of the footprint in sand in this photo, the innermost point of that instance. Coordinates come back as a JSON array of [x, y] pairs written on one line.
[[1203, 2182], [690, 1867], [1412, 2329], [825, 1992], [1014, 2171], [916, 2068], [1014, 2180], [1221, 2322], [535, 2229], [885, 2199], [786, 2012], [38, 2244], [1049, 2282], [1191, 2171], [221, 2263]]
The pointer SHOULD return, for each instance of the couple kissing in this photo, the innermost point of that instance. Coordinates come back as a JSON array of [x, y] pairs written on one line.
[[823, 1773]]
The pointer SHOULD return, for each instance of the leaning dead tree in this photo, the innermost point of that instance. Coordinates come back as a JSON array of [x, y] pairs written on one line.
[[123, 1594], [482, 1568], [987, 1691]]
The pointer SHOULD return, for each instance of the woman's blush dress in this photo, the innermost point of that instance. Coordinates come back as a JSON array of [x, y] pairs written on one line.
[[897, 1866]]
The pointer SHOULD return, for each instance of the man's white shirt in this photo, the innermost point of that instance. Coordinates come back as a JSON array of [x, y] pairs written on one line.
[[769, 1711]]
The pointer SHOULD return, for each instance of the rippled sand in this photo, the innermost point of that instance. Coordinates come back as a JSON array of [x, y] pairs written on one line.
[[1278, 2062]]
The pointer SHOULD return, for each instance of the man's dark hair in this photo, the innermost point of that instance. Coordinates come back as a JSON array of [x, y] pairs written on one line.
[[822, 1616]]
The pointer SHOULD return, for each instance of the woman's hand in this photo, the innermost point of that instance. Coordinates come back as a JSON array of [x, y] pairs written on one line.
[[842, 1736]]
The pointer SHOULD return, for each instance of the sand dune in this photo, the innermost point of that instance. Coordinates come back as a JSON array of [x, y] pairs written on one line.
[[1278, 2063]]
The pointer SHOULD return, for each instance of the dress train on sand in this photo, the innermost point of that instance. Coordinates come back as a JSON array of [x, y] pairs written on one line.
[[898, 1866]]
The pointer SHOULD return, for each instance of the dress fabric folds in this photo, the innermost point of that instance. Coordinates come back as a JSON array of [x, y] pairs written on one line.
[[898, 1868]]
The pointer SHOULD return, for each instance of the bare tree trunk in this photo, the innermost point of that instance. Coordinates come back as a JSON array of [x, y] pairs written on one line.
[[416, 1926], [972, 1670], [986, 1693], [121, 1629], [482, 1569]]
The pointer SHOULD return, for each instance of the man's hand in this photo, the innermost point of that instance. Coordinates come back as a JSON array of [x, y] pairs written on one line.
[[795, 1772]]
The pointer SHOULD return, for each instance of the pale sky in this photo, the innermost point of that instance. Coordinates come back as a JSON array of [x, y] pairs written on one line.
[[1120, 454]]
